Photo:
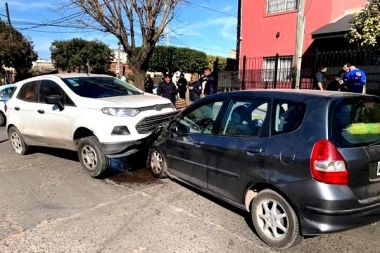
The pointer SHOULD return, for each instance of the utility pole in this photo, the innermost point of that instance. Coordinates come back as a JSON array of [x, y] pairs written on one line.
[[9, 20], [299, 43], [118, 60]]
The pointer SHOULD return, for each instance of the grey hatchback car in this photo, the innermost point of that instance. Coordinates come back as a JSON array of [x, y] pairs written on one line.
[[302, 162]]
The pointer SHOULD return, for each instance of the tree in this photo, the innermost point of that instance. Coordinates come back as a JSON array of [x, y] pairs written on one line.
[[76, 54], [365, 26], [122, 18], [171, 59], [16, 51]]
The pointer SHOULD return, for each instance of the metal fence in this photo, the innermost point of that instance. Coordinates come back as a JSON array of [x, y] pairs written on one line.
[[277, 71]]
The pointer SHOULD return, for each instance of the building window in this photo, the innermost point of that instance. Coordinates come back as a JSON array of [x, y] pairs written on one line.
[[277, 6], [284, 71]]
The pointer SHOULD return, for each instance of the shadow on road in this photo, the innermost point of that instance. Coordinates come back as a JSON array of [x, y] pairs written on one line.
[[1, 141], [131, 169]]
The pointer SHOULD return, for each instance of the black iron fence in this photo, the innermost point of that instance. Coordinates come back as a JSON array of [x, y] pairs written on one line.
[[277, 71]]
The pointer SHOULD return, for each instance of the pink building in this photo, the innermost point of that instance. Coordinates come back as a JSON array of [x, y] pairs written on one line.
[[268, 27]]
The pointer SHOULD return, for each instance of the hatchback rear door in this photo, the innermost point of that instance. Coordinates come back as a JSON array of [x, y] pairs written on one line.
[[355, 131]]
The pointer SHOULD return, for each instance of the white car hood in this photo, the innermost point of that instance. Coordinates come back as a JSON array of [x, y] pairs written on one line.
[[130, 101]]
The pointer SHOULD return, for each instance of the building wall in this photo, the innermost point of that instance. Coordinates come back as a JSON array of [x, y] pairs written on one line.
[[259, 29]]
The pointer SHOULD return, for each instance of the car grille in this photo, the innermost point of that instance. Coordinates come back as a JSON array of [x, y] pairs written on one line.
[[154, 107], [150, 123]]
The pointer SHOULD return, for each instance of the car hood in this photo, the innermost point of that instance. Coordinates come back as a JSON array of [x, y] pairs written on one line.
[[130, 101]]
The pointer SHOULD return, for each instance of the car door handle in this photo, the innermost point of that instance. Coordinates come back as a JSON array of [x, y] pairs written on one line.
[[254, 151], [41, 111], [17, 108], [199, 144]]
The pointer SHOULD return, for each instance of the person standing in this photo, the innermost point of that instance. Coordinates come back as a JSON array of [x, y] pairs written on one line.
[[167, 89], [148, 86], [321, 79], [182, 86], [356, 80], [211, 85], [195, 88]]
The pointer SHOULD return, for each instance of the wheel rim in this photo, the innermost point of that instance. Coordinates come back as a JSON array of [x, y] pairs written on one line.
[[272, 219], [89, 157], [16, 142], [156, 162]]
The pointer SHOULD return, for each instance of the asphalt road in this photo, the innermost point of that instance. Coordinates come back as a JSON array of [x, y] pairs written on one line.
[[49, 204]]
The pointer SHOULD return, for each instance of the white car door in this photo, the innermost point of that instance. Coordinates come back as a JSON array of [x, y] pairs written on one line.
[[54, 125], [22, 111]]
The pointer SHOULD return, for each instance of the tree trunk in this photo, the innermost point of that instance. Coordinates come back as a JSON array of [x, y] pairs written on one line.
[[139, 76]]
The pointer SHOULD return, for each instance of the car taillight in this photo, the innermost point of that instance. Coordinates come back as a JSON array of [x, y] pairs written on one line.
[[5, 108], [327, 164]]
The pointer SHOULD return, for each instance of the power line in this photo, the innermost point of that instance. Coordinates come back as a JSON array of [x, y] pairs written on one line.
[[211, 9]]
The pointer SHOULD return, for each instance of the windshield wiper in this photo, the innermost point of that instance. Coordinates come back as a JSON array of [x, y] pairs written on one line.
[[110, 87], [374, 144]]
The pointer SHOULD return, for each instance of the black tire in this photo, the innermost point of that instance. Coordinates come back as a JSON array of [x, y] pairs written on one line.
[[17, 141], [92, 157], [279, 230], [2, 119], [157, 164]]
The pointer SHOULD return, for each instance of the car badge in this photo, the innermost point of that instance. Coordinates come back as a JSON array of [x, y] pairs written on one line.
[[157, 108]]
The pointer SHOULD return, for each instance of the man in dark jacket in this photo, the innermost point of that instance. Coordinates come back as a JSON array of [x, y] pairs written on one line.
[[320, 79], [182, 86], [211, 86], [167, 89]]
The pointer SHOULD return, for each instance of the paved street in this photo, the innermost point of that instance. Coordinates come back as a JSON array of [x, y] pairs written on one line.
[[49, 204]]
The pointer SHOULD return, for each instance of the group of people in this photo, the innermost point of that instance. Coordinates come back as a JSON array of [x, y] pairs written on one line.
[[349, 79], [177, 93]]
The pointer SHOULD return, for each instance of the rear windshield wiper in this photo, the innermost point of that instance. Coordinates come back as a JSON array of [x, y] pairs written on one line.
[[374, 144]]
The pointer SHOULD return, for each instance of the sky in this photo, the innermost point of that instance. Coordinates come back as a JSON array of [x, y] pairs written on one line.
[[205, 25]]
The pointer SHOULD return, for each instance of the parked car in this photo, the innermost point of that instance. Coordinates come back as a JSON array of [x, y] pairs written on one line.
[[303, 162], [5, 91], [98, 116]]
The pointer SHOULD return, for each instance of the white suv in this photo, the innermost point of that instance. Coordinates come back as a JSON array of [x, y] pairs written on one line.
[[99, 116]]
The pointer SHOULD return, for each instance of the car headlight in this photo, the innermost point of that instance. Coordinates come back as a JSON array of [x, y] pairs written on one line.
[[122, 112]]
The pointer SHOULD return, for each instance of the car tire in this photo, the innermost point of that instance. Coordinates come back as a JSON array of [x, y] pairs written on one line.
[[2, 119], [92, 157], [17, 141], [157, 164], [274, 220]]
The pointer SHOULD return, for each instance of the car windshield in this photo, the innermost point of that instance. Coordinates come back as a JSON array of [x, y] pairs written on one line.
[[355, 121], [100, 87]]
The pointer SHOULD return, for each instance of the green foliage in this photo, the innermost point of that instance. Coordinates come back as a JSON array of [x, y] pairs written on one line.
[[365, 26], [225, 64], [76, 53], [172, 59], [16, 50]]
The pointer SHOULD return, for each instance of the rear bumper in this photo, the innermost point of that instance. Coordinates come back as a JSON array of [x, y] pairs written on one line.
[[324, 209]]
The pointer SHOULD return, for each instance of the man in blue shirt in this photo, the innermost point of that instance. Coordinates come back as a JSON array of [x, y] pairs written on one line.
[[355, 80]]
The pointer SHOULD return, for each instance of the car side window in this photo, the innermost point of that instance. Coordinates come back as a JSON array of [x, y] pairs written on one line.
[[28, 92], [48, 88], [288, 116], [6, 92], [200, 120], [245, 118]]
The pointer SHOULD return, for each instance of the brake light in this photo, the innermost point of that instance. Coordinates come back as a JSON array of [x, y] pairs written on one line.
[[327, 164], [5, 107]]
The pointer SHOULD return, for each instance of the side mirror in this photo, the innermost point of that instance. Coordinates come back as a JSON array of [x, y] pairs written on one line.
[[55, 100], [173, 127]]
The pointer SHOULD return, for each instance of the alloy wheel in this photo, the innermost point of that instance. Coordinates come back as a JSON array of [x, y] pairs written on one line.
[[16, 142], [89, 157], [272, 219], [156, 162]]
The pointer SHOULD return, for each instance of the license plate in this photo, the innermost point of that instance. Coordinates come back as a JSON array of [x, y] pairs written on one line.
[[374, 171]]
